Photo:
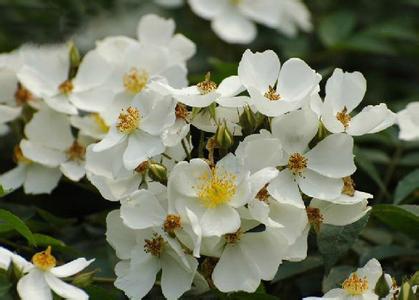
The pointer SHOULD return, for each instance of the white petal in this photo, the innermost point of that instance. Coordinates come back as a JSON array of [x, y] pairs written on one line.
[[220, 220], [295, 130], [265, 12], [161, 116], [372, 271], [315, 185], [208, 9], [107, 163], [93, 100], [408, 121], [284, 188], [61, 103], [344, 89], [141, 146], [172, 136], [14, 178], [198, 100], [40, 179], [63, 289], [329, 119], [33, 286], [323, 159], [71, 268], [230, 86], [349, 200], [259, 70], [8, 113], [73, 170], [181, 47], [155, 30], [259, 179], [5, 258], [371, 119], [113, 138], [297, 251], [43, 155], [115, 189], [119, 236], [233, 27], [142, 210], [260, 211]]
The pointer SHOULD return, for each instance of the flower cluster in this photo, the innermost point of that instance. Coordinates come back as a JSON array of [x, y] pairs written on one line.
[[218, 183], [234, 20]]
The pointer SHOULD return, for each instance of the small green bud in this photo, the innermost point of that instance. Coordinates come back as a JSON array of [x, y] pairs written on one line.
[[381, 288], [157, 172], [84, 279], [247, 121], [75, 58], [223, 137]]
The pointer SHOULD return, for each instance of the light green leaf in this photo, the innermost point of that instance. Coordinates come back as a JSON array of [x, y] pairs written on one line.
[[406, 186], [336, 28], [45, 240], [18, 225]]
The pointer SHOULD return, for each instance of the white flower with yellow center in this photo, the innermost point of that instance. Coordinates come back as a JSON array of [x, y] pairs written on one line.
[[43, 275], [408, 120], [143, 253], [139, 128], [211, 193], [344, 92], [275, 90], [317, 172]]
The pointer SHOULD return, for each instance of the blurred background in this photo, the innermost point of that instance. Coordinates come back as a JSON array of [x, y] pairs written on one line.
[[378, 38]]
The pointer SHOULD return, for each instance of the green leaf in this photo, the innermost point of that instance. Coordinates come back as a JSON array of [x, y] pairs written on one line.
[[406, 292], [2, 191], [414, 280], [404, 218], [386, 251], [406, 186], [410, 160], [381, 288], [336, 28], [52, 219], [365, 42], [98, 293], [365, 165], [5, 284], [18, 225], [45, 240], [334, 241], [336, 276], [289, 269]]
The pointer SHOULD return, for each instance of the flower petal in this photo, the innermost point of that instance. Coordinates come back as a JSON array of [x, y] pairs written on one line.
[[43, 155], [113, 138], [40, 179], [315, 185], [33, 286], [155, 30], [119, 236], [285, 189], [371, 119], [63, 289], [220, 220], [14, 178], [71, 268]]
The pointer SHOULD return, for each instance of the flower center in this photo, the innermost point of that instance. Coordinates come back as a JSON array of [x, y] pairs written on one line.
[[172, 223], [128, 120], [263, 194], [181, 111], [155, 245], [297, 163], [206, 86], [315, 218], [44, 260], [348, 186], [232, 238], [343, 117], [217, 188], [18, 156], [135, 80], [100, 122], [272, 94], [66, 87], [355, 285], [76, 152], [22, 95]]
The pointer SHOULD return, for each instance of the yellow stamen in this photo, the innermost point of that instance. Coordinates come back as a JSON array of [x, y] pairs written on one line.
[[263, 194], [232, 238], [135, 80], [181, 111], [348, 186], [66, 87], [100, 122], [155, 245], [297, 163], [216, 188], [22, 95], [343, 117], [44, 260], [172, 223], [315, 218], [355, 285], [76, 152], [272, 95], [18, 156], [128, 120], [206, 86]]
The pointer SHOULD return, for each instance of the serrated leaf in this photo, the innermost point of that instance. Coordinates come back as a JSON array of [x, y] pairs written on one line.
[[406, 186], [18, 225], [334, 241], [404, 218]]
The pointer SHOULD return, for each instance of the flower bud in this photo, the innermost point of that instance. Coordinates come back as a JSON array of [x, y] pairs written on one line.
[[247, 121], [224, 137], [157, 172], [74, 55], [381, 288], [84, 279]]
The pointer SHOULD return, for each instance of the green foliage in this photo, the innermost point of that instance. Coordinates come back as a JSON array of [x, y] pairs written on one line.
[[406, 186], [381, 288], [17, 224]]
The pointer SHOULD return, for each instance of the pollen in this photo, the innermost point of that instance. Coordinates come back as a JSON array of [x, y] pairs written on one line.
[[18, 156], [44, 260], [207, 86], [128, 120], [232, 238], [297, 163], [76, 152], [66, 87], [135, 80], [344, 117], [263, 194], [172, 223], [217, 188], [100, 122], [348, 186], [355, 285], [22, 95], [271, 94], [155, 245], [181, 111], [315, 218]]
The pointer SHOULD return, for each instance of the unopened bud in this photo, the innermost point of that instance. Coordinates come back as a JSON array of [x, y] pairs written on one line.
[[247, 121], [224, 137], [74, 55], [157, 172], [84, 279]]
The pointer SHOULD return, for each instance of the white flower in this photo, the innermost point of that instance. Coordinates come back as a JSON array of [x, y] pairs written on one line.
[[212, 194], [42, 275], [144, 253], [170, 3], [344, 92], [275, 90], [223, 115], [317, 172], [50, 143], [294, 15], [408, 120], [139, 128]]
